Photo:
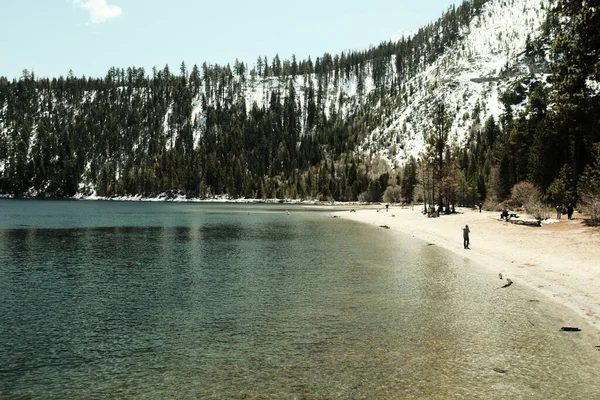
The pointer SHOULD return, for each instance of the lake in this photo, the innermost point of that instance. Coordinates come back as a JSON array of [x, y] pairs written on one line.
[[134, 300]]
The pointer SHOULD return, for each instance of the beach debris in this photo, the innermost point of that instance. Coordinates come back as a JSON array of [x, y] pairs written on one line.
[[508, 283], [384, 226], [549, 221], [570, 329], [429, 244], [597, 347], [500, 275], [526, 222], [499, 370], [393, 215], [353, 210]]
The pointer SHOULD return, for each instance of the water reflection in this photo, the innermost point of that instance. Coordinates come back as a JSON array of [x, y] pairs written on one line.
[[270, 306]]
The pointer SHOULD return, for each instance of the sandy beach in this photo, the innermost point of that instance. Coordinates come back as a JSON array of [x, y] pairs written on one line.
[[560, 260]]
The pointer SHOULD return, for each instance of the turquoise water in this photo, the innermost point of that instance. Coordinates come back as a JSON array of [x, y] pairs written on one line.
[[162, 301]]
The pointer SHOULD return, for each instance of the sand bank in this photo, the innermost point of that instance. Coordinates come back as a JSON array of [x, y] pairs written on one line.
[[561, 260]]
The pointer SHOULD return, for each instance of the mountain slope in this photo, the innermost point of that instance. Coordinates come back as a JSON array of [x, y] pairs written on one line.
[[470, 77], [291, 128]]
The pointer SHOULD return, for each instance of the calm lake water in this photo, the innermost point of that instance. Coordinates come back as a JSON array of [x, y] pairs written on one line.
[[102, 300]]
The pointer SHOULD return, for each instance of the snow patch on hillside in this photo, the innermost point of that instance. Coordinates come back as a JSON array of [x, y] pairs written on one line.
[[199, 120], [468, 78], [470, 73], [593, 86], [166, 129]]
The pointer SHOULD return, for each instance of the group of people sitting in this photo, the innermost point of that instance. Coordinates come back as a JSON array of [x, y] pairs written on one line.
[[433, 211]]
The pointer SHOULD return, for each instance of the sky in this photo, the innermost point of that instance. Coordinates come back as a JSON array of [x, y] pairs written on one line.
[[52, 37]]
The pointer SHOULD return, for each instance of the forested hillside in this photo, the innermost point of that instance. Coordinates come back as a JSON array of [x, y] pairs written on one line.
[[456, 113]]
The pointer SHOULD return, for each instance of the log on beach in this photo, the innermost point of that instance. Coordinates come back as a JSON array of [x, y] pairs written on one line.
[[527, 222], [508, 283], [570, 329]]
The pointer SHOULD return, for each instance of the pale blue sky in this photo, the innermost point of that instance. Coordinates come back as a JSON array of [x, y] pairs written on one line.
[[51, 37]]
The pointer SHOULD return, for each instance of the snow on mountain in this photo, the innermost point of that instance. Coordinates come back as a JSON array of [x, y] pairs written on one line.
[[468, 73], [342, 93], [471, 74]]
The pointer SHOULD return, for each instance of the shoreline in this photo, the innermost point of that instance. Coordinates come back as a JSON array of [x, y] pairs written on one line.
[[560, 260], [178, 198]]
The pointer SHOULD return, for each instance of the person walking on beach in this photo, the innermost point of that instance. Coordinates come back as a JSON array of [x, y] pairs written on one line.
[[570, 211], [558, 211], [466, 231], [480, 206]]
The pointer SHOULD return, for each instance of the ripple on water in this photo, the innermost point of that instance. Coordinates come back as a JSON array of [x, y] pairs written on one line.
[[220, 304]]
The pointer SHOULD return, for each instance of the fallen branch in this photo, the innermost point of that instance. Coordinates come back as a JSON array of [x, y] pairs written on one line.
[[508, 283], [570, 329], [528, 222]]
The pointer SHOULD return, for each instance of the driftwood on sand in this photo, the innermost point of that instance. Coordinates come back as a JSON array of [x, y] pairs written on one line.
[[508, 283], [570, 329], [521, 221], [515, 219], [527, 222]]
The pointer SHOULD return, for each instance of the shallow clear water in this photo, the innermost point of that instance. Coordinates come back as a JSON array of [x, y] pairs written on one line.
[[144, 300]]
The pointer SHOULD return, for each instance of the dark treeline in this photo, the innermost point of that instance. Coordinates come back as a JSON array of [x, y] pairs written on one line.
[[547, 152], [195, 132], [552, 143], [131, 133]]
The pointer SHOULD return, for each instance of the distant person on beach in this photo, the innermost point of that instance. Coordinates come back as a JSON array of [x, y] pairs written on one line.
[[570, 211], [466, 231], [558, 211], [386, 207], [480, 206]]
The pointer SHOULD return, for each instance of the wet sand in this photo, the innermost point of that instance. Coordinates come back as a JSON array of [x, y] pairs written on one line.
[[560, 260]]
